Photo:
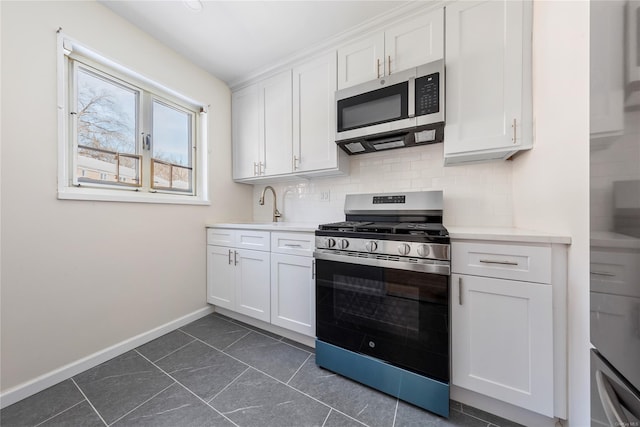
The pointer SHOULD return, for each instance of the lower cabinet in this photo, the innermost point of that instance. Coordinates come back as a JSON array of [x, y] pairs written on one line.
[[236, 280], [293, 293], [273, 283], [508, 323], [502, 333]]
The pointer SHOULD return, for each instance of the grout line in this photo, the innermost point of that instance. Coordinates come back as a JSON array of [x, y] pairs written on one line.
[[190, 391], [60, 413], [88, 401], [395, 413], [146, 401], [327, 417], [298, 370], [229, 385], [174, 351], [244, 336]]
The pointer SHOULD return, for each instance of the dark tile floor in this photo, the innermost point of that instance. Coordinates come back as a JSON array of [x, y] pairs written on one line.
[[219, 372]]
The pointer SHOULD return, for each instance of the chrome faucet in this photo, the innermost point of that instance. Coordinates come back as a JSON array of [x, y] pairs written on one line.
[[276, 214]]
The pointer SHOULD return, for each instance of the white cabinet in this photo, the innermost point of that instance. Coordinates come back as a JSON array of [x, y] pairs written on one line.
[[488, 86], [262, 120], [314, 117], [404, 45], [505, 327], [293, 291], [606, 107], [238, 278], [264, 275]]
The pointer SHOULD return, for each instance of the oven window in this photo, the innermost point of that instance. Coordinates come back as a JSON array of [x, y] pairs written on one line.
[[378, 106], [398, 316]]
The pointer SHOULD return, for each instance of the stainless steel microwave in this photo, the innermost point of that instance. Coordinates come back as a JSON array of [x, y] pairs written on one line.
[[401, 110]]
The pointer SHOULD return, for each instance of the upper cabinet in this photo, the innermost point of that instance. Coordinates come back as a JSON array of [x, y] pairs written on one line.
[[404, 45], [488, 64], [284, 125], [261, 115], [314, 117]]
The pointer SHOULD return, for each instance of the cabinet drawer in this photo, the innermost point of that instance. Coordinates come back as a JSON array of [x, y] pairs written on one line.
[[517, 262], [293, 243], [220, 236], [615, 272], [253, 239]]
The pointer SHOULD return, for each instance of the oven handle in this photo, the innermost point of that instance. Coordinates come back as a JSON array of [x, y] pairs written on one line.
[[442, 268]]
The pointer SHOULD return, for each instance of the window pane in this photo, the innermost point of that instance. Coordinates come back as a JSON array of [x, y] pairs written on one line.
[[106, 113], [172, 168]]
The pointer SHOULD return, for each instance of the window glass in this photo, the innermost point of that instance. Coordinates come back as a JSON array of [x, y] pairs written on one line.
[[106, 118], [172, 134]]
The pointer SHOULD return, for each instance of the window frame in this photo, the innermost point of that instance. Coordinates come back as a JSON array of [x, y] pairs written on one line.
[[71, 55]]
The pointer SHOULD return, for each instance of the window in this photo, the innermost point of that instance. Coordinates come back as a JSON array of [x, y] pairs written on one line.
[[124, 137]]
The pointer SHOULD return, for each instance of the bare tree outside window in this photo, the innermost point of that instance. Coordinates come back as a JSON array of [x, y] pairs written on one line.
[[106, 117]]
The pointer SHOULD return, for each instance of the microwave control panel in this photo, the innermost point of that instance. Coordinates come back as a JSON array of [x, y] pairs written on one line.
[[428, 94]]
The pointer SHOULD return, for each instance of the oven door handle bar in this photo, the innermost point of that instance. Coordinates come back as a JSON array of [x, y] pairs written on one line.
[[432, 266]]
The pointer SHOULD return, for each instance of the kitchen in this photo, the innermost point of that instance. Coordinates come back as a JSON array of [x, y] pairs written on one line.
[[145, 262]]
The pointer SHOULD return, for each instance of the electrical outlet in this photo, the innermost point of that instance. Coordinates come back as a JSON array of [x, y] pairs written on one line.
[[325, 196]]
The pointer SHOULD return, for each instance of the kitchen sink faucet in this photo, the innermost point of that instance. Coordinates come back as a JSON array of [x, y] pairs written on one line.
[[276, 214]]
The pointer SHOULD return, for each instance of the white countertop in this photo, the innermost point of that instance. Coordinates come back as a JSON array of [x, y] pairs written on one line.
[[456, 233], [270, 226], [506, 235]]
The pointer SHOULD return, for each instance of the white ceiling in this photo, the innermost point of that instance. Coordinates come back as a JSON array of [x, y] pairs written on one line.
[[235, 39]]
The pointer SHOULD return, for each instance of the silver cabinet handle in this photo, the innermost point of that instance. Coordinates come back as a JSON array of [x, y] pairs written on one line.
[[389, 66], [603, 273], [313, 269], [296, 160], [610, 403], [292, 245], [459, 290], [514, 130], [230, 261], [501, 262], [235, 257], [378, 67], [255, 168]]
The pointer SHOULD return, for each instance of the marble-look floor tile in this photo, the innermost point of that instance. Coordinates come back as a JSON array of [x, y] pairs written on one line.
[[121, 384], [365, 404], [202, 369], [336, 419], [411, 416], [41, 406], [485, 416], [270, 356], [215, 331], [80, 415], [166, 344], [174, 407], [257, 400]]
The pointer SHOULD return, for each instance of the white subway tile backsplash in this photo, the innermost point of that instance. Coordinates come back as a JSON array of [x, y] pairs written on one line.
[[478, 194]]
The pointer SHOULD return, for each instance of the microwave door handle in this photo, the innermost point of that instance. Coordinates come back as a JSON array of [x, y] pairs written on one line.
[[412, 97]]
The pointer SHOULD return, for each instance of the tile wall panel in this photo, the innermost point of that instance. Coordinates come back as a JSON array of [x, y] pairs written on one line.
[[478, 194]]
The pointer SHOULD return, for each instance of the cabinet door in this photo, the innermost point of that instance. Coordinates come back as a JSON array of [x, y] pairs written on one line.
[[293, 293], [502, 340], [220, 276], [361, 61], [252, 283], [245, 115], [275, 126], [415, 42], [485, 79], [314, 125]]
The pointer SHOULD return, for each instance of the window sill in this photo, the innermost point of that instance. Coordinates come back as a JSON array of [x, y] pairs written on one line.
[[105, 195]]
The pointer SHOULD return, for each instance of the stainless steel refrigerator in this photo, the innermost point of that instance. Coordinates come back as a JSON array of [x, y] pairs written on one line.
[[615, 212]]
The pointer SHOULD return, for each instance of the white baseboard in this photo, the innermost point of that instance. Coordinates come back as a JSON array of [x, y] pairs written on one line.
[[49, 379]]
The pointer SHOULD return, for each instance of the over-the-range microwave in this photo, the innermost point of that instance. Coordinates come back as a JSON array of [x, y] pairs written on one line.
[[400, 110]]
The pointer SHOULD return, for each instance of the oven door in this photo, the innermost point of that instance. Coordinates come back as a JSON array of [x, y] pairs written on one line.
[[396, 315]]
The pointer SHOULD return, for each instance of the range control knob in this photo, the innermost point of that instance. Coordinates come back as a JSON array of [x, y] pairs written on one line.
[[404, 249], [344, 243], [423, 251], [330, 242], [371, 246]]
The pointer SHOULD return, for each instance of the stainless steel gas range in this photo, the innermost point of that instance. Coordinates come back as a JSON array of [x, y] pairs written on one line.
[[382, 296]]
